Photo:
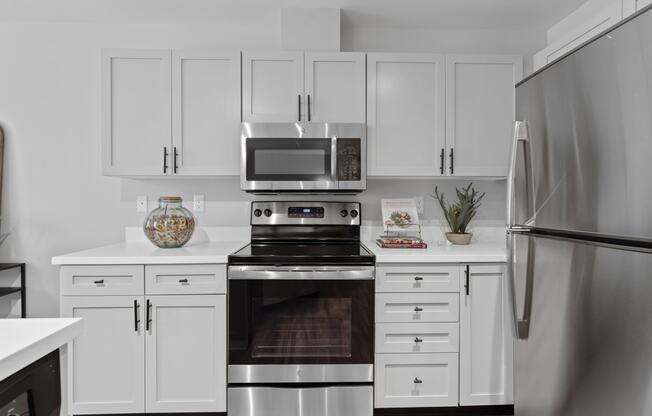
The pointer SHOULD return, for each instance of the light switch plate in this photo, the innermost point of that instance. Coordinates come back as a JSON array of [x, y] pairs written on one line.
[[198, 203], [141, 203]]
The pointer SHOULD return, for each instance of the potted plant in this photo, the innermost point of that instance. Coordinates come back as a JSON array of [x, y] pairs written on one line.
[[460, 213]]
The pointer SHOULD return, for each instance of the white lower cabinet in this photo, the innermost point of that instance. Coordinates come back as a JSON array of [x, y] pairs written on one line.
[[435, 348], [486, 346], [106, 365], [144, 353], [416, 380], [184, 350]]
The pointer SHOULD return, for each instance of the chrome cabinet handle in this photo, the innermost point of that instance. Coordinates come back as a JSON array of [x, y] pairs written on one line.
[[99, 282], [521, 136], [165, 159], [417, 381], [417, 340], [520, 325], [136, 320], [417, 309], [418, 278], [442, 155]]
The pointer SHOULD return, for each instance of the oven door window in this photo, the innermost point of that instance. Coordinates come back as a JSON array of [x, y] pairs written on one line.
[[300, 322], [281, 159]]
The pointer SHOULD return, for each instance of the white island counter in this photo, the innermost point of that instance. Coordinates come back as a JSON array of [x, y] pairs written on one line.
[[26, 340]]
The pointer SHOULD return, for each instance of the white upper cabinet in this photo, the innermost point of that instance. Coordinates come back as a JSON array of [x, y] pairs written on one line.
[[405, 114], [136, 112], [205, 113], [486, 346], [272, 86], [587, 21], [170, 112], [632, 6], [480, 111], [186, 354], [287, 86], [335, 87]]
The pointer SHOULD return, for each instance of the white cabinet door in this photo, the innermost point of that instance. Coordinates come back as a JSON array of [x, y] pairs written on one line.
[[416, 380], [405, 114], [136, 112], [186, 354], [272, 86], [206, 113], [480, 111], [632, 6], [486, 346], [335, 87], [106, 364], [584, 30]]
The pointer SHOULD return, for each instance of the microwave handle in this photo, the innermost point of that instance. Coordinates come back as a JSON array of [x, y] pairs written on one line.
[[334, 176]]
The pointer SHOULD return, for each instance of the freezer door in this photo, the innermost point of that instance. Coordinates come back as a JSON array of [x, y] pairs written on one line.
[[590, 135], [587, 347]]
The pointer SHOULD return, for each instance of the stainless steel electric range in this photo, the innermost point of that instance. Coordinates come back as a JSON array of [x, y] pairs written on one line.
[[301, 313]]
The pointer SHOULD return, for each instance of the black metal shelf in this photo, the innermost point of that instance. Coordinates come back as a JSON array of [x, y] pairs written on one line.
[[8, 290], [4, 290]]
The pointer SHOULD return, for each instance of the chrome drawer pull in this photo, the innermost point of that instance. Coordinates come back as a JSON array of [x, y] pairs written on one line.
[[418, 340], [99, 282], [418, 278], [417, 381], [418, 309]]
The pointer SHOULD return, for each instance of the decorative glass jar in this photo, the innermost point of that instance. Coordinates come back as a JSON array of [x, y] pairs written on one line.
[[170, 225]]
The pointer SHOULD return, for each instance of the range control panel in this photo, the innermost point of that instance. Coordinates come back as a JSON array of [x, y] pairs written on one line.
[[306, 212], [309, 213]]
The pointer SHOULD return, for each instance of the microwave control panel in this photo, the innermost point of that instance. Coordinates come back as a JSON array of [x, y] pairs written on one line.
[[349, 160]]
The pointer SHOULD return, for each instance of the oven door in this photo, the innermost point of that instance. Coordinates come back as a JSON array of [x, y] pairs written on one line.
[[319, 157], [291, 325]]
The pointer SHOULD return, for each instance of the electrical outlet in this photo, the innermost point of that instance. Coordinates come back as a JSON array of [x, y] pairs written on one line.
[[198, 203], [141, 203], [420, 202]]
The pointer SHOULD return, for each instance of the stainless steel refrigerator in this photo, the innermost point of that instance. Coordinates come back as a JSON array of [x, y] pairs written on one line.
[[580, 230]]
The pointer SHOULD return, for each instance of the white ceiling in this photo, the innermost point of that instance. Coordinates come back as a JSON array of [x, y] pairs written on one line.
[[424, 14]]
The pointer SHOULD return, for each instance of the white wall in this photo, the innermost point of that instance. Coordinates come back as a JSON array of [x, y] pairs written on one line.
[[55, 199]]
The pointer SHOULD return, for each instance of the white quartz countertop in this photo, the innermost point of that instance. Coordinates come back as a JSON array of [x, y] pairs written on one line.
[[147, 253], [26, 340], [476, 252]]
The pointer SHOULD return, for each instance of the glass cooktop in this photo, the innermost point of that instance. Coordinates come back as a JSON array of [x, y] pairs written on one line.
[[302, 253]]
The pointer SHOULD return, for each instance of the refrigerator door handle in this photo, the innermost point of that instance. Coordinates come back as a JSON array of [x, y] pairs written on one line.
[[520, 324], [521, 135]]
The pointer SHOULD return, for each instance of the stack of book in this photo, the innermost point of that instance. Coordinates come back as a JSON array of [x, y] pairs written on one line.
[[401, 227]]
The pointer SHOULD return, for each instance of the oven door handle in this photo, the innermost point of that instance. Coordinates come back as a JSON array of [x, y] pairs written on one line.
[[300, 273]]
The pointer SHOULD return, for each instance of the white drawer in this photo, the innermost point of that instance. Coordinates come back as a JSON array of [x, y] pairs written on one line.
[[417, 338], [417, 278], [416, 380], [102, 280], [172, 279], [417, 307]]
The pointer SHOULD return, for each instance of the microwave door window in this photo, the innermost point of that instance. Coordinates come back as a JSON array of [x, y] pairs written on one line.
[[288, 159]]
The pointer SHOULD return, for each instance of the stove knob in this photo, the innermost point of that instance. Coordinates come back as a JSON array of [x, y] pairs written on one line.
[[258, 212], [268, 212], [344, 213], [354, 213]]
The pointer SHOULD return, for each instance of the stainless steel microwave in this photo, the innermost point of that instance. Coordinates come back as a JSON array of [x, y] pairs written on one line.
[[298, 157]]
